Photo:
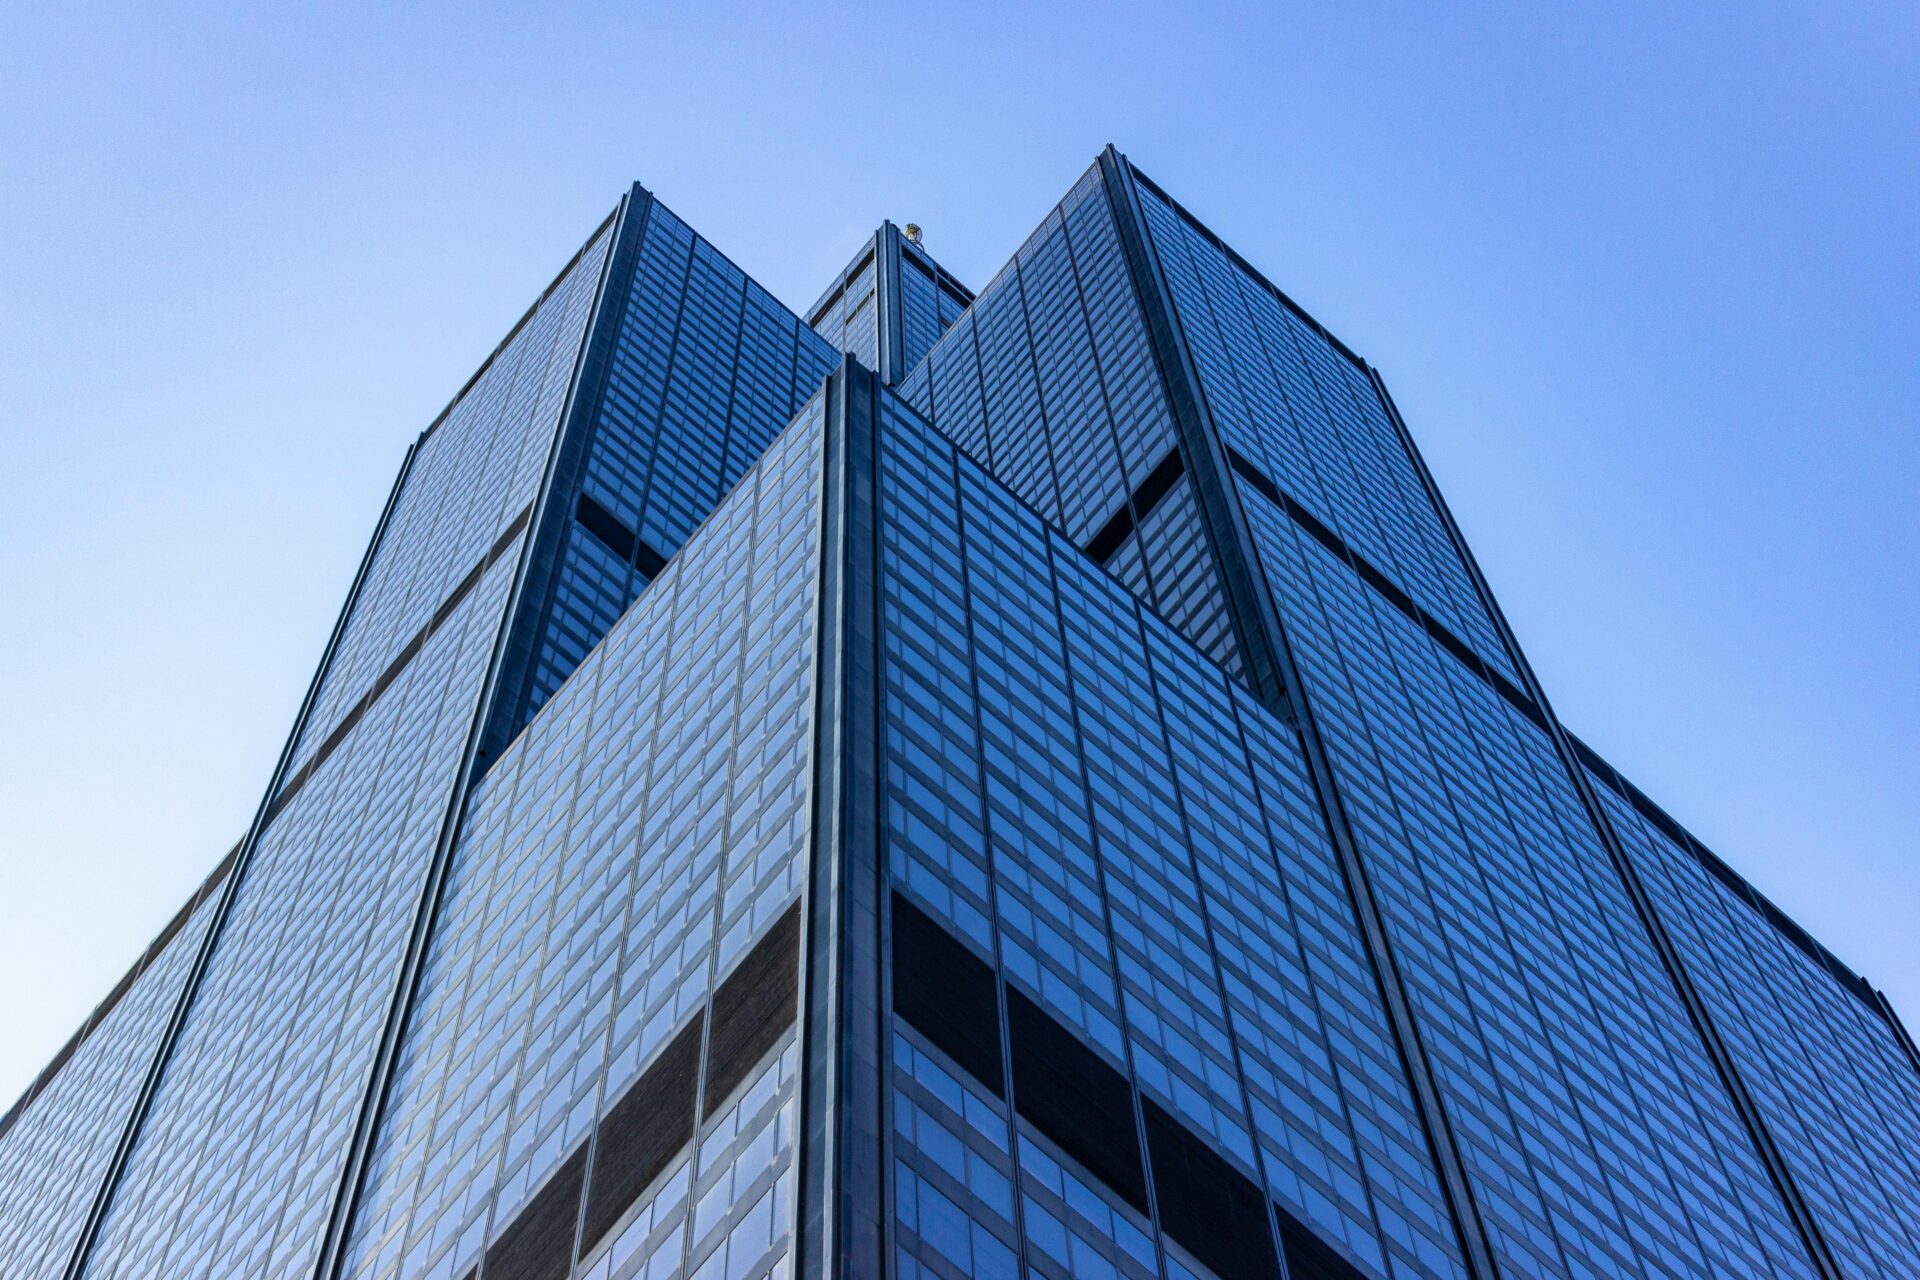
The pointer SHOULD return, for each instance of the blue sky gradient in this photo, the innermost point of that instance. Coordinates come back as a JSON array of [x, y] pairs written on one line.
[[1642, 278]]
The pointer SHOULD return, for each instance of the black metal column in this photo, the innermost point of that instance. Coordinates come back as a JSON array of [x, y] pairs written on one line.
[[889, 318], [842, 1204]]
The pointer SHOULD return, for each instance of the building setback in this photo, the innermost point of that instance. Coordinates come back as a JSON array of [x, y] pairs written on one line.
[[1019, 784]]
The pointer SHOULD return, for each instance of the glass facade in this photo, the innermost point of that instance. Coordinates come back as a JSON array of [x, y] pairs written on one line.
[[1302, 411], [1558, 1037], [1049, 744], [615, 865], [701, 368], [1836, 1090], [469, 479], [236, 1159], [848, 314], [930, 302], [890, 306], [70, 1124], [1061, 804], [1050, 380], [1592, 1126], [237, 1147]]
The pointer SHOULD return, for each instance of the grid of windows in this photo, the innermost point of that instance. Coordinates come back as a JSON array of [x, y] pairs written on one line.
[[927, 309], [704, 370], [73, 1123], [1308, 416], [617, 861], [892, 294], [471, 475], [953, 1172], [1176, 1010], [234, 1167], [1048, 377], [1135, 1028], [1131, 838], [850, 319], [861, 306], [1173, 540], [1049, 380], [1589, 1118], [592, 587], [1836, 1091]]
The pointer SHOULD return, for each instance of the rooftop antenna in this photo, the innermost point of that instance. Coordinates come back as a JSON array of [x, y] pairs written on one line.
[[912, 233]]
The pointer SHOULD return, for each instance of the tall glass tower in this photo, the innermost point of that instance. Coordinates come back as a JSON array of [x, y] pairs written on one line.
[[1025, 784]]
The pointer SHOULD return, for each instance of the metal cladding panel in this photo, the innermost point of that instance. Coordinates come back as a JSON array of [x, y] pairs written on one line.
[[538, 1243], [1082, 799], [947, 993], [643, 1133], [753, 1008], [615, 866]]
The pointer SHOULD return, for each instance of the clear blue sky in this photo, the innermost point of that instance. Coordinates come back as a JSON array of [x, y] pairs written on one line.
[[1642, 277]]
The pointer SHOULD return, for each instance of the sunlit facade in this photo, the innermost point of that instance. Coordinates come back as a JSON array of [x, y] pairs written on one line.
[[1026, 783]]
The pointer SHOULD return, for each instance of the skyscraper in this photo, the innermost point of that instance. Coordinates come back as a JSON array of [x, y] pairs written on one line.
[[1026, 783]]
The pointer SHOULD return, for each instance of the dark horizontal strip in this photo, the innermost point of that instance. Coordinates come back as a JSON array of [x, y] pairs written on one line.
[[1646, 808], [407, 654], [1267, 489], [617, 538], [538, 1243], [1159, 482], [1309, 1257], [1063, 1088], [643, 1132], [120, 989], [604, 525], [1207, 1206], [1102, 545], [649, 562], [948, 993], [752, 1008], [1075, 1097], [1068, 1092], [1138, 506]]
